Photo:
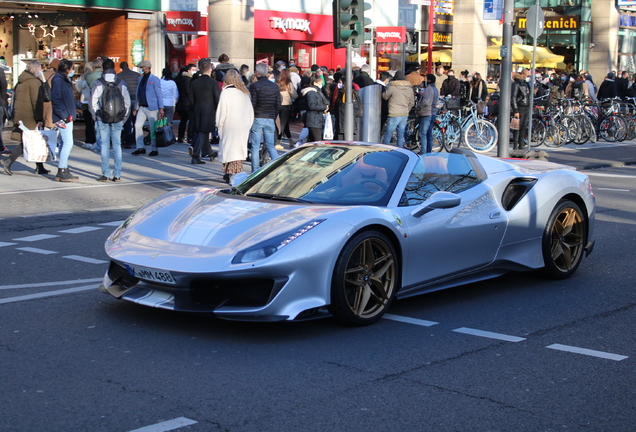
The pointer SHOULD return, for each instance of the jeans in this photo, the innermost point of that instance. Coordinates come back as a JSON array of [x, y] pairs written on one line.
[[392, 124], [110, 133], [201, 142], [142, 115], [66, 139], [426, 133], [268, 128]]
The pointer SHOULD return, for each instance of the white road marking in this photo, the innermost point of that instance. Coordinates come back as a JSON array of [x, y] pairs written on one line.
[[114, 223], [612, 189], [597, 174], [47, 294], [489, 335], [2, 244], [36, 250], [167, 425], [85, 259], [80, 230], [408, 320], [46, 214], [588, 352], [47, 284], [121, 207], [36, 237]]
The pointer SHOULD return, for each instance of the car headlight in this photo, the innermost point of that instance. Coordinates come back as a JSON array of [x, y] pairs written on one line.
[[273, 245]]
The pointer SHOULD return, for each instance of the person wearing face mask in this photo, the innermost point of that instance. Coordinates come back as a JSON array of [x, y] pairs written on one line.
[[317, 104], [64, 107], [451, 85], [464, 87], [478, 89], [520, 101]]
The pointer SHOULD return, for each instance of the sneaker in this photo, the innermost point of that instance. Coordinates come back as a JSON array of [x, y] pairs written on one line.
[[116, 179], [6, 151], [139, 151], [87, 146], [102, 179], [153, 153], [279, 147], [191, 151]]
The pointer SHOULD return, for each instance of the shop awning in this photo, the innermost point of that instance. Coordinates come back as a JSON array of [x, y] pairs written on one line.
[[518, 55], [439, 56], [523, 54]]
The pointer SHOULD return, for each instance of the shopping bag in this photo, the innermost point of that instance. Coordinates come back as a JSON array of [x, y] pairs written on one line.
[[35, 147], [514, 124], [164, 135], [327, 131], [452, 104], [50, 137]]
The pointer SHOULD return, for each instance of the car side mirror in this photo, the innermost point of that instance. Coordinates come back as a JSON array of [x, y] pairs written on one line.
[[439, 200], [238, 179]]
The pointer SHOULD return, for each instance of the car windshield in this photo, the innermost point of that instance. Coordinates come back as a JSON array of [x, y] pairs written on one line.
[[329, 174]]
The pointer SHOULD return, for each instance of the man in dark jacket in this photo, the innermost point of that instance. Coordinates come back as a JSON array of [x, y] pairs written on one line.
[[183, 104], [520, 101], [622, 84], [451, 85], [608, 88], [64, 109], [267, 101], [364, 79], [204, 99], [131, 78]]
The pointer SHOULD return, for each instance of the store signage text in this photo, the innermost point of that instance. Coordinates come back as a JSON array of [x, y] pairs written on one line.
[[284, 24], [182, 21], [391, 34], [443, 37], [566, 22]]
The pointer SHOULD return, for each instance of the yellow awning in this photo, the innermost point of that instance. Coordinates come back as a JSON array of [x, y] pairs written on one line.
[[439, 56]]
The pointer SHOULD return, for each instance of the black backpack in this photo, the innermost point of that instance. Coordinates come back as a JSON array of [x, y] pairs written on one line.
[[113, 108]]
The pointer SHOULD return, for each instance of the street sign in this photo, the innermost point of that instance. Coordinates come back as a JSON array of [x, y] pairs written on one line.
[[535, 20]]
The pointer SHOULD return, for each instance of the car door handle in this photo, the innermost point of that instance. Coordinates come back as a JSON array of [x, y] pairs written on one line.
[[495, 214]]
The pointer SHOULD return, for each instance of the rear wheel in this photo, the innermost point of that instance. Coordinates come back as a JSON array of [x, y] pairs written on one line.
[[564, 240], [365, 279], [439, 143]]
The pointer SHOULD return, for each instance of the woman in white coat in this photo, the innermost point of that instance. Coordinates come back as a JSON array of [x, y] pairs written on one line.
[[234, 117]]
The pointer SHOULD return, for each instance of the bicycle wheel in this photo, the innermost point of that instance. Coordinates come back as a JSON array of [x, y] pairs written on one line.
[[538, 132], [572, 126], [611, 129], [412, 135], [438, 138], [553, 136], [480, 136], [584, 131], [452, 135]]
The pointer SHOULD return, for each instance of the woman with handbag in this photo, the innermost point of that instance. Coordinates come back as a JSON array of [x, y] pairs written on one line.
[[234, 118], [478, 90], [317, 105], [26, 94], [288, 92]]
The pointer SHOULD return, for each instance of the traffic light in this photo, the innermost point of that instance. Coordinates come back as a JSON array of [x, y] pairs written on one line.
[[361, 24], [345, 22]]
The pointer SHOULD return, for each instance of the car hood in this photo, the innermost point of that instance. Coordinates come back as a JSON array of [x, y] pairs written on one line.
[[523, 166], [203, 217]]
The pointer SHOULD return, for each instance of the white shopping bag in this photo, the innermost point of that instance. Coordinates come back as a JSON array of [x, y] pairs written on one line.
[[35, 146], [327, 132]]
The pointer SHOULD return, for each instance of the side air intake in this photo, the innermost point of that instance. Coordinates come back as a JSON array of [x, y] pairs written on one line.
[[516, 190]]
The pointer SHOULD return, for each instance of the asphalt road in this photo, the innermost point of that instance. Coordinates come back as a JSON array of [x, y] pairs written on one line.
[[515, 353]]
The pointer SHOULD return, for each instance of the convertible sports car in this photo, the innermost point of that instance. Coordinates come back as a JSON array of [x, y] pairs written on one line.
[[344, 228]]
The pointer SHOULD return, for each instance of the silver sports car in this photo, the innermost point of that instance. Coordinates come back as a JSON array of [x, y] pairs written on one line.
[[344, 228]]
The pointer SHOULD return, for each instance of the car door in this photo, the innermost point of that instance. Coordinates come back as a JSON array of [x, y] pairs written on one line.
[[446, 242]]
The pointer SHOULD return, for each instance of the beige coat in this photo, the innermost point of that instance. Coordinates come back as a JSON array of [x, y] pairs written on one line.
[[234, 118]]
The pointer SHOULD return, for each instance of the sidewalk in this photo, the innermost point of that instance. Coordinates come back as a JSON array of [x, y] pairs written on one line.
[[173, 163]]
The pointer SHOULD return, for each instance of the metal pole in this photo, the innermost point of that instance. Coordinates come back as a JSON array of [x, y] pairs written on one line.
[[505, 82], [348, 126], [532, 76]]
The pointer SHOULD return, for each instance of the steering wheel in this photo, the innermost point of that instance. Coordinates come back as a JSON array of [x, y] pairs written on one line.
[[383, 186]]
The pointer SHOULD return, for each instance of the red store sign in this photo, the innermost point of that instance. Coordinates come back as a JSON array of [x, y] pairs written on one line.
[[183, 22], [292, 26], [390, 34]]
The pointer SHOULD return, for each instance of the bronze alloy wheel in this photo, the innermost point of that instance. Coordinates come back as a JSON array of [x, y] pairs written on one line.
[[365, 279], [566, 240]]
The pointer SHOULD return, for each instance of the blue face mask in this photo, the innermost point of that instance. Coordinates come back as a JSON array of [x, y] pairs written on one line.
[[272, 79], [71, 73]]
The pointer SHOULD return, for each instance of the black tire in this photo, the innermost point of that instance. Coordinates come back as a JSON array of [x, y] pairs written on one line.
[[365, 279], [564, 240]]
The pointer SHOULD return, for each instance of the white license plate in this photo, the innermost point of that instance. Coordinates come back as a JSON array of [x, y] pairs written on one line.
[[149, 274]]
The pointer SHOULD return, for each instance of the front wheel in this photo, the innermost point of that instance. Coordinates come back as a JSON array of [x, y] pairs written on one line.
[[480, 136], [365, 279], [564, 240]]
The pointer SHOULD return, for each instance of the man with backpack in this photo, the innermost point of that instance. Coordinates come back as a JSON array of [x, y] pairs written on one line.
[[110, 106]]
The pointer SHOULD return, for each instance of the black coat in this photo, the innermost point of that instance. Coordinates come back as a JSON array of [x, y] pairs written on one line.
[[266, 98], [607, 90], [317, 103], [183, 85], [621, 87], [204, 99], [450, 87], [520, 96], [363, 80]]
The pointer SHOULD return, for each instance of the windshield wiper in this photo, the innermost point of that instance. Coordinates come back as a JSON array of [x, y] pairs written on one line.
[[276, 197]]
